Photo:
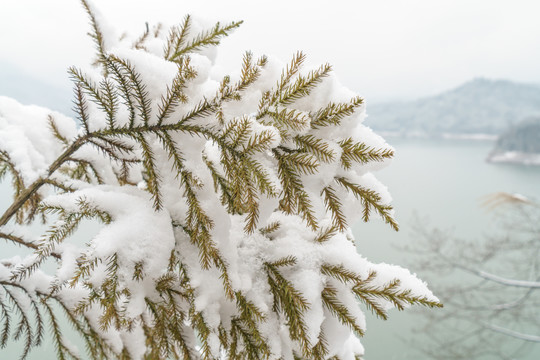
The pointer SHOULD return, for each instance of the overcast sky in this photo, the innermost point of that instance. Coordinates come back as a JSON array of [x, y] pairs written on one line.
[[384, 50]]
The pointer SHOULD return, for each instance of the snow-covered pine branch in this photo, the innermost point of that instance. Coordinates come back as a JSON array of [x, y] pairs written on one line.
[[223, 207]]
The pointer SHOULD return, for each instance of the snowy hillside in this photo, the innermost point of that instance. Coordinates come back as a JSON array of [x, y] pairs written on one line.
[[480, 106], [519, 144]]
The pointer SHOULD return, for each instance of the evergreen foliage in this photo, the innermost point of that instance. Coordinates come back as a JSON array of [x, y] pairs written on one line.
[[224, 226]]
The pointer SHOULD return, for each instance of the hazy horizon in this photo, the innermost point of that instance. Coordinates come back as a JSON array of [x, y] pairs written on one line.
[[27, 89], [384, 51]]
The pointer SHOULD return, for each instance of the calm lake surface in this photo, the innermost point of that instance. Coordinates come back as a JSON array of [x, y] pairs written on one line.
[[441, 180]]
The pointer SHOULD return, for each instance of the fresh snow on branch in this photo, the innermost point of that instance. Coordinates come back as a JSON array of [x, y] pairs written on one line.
[[222, 206]]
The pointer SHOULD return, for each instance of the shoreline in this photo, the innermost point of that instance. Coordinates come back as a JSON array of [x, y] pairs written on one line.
[[514, 157], [444, 136]]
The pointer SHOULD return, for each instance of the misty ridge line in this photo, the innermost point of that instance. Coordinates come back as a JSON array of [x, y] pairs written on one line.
[[480, 106]]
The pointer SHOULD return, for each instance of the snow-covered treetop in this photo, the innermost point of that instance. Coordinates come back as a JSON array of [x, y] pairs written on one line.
[[224, 205]]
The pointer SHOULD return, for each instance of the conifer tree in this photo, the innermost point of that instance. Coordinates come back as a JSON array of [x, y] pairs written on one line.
[[222, 208]]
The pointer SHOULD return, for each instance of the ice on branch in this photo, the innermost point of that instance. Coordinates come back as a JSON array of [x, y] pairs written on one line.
[[222, 207]]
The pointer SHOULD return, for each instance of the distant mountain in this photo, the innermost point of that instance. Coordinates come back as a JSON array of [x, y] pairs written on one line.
[[519, 144], [26, 89], [480, 106]]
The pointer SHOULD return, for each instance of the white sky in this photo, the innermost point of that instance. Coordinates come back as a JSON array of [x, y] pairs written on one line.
[[384, 50]]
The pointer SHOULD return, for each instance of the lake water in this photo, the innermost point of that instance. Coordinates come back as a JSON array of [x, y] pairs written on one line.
[[442, 180]]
